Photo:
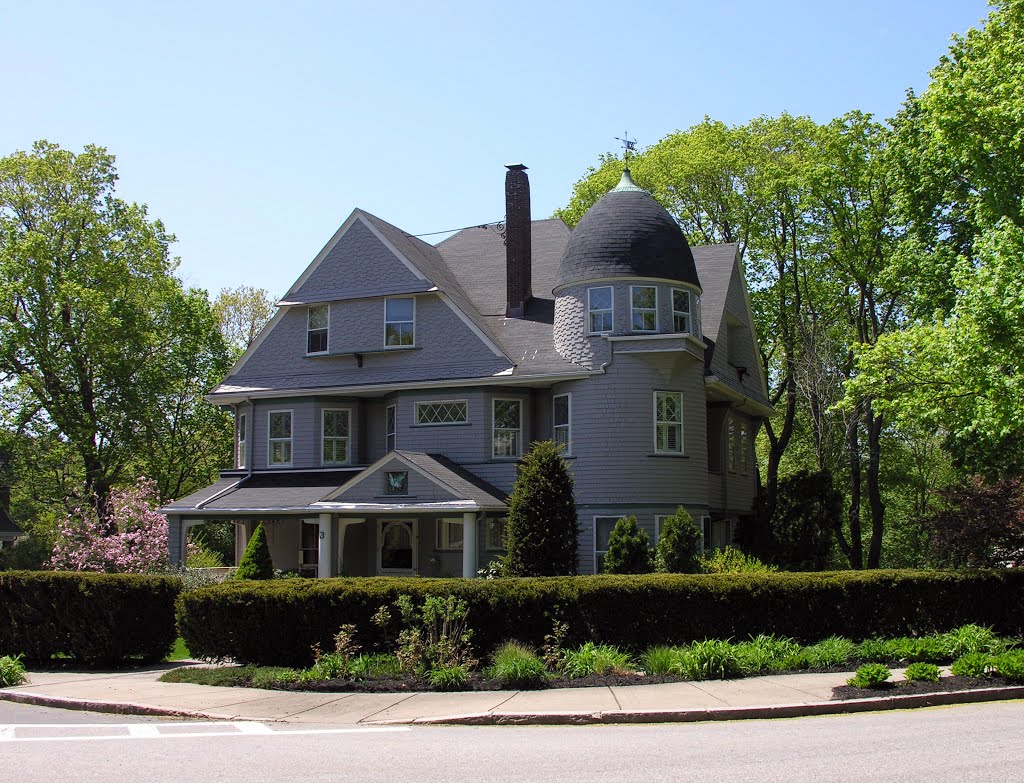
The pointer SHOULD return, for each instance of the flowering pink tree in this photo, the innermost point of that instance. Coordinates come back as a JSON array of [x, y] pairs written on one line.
[[131, 537]]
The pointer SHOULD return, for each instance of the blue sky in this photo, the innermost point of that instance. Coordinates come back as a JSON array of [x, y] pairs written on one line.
[[253, 129]]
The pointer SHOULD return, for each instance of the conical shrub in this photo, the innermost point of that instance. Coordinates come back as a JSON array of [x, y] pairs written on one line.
[[256, 562]]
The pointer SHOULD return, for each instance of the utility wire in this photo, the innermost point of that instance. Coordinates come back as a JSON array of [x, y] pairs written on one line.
[[452, 230]]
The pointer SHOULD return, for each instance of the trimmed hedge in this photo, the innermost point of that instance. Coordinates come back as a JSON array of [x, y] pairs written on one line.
[[88, 617], [276, 623]]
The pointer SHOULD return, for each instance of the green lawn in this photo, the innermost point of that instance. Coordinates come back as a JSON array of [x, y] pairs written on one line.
[[180, 651]]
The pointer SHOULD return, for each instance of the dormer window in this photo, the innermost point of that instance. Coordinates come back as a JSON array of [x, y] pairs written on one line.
[[644, 301], [399, 321], [599, 310], [317, 320]]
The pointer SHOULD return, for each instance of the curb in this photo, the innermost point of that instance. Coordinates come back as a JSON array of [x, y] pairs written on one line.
[[583, 718], [761, 712]]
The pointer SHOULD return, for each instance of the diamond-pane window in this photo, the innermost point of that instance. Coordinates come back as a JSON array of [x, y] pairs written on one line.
[[599, 309], [668, 422], [447, 412], [280, 438], [508, 424], [336, 437], [644, 300], [317, 320], [680, 310]]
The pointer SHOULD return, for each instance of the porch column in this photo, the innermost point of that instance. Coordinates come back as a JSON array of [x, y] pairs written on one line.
[[325, 538], [342, 530], [469, 556]]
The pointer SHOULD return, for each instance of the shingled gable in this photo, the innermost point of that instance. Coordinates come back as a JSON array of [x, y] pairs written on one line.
[[434, 480], [350, 267]]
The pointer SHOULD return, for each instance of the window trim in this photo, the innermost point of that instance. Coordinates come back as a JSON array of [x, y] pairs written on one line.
[[744, 448], [416, 413], [242, 440], [602, 551], [390, 427], [568, 422], [400, 346], [346, 438], [633, 310], [687, 314], [654, 415], [290, 439], [518, 430], [732, 442], [309, 312], [591, 310], [443, 543]]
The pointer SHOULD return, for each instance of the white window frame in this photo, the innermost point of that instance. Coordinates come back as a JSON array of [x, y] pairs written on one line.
[[444, 540], [657, 422], [489, 543], [633, 310], [347, 438], [686, 315], [610, 310], [391, 428], [388, 322], [568, 422], [290, 440], [518, 443], [418, 405], [599, 552], [310, 330], [243, 425]]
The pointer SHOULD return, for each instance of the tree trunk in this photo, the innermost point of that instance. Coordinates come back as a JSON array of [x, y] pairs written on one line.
[[874, 423], [855, 551]]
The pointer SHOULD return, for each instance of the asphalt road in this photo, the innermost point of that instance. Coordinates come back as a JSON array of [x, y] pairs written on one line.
[[965, 743]]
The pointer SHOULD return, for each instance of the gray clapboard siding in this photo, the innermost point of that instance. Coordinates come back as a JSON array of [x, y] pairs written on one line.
[[372, 488]]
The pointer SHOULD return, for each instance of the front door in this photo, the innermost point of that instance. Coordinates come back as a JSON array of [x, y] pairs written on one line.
[[396, 547]]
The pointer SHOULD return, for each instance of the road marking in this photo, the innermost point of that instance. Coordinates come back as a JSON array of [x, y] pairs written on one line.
[[130, 731]]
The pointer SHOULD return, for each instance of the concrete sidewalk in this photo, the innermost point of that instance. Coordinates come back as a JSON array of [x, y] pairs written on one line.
[[788, 695]]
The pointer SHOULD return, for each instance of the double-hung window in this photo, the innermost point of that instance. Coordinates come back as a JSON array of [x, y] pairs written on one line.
[[508, 428], [561, 422], [644, 303], [279, 441], [732, 442], [668, 422], [449, 534], [243, 422], [603, 527], [317, 325], [744, 448], [399, 321], [336, 436], [390, 427], [599, 310], [681, 310]]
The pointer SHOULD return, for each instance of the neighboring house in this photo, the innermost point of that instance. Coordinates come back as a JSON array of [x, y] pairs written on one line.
[[9, 531], [381, 414]]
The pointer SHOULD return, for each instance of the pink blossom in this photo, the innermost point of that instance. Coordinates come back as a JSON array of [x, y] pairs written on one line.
[[138, 546]]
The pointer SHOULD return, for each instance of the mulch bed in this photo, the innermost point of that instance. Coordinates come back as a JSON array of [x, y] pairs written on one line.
[[906, 688]]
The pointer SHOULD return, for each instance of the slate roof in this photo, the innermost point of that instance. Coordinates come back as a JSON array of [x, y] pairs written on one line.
[[627, 233], [714, 264]]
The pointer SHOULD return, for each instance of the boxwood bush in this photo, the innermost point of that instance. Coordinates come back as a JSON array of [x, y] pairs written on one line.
[[90, 618], [277, 623]]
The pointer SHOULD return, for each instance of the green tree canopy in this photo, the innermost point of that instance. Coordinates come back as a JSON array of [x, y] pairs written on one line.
[[99, 343]]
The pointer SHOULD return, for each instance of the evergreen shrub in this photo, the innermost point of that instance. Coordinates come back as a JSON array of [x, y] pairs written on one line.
[[678, 549], [277, 622], [89, 617], [256, 562], [629, 549], [541, 530]]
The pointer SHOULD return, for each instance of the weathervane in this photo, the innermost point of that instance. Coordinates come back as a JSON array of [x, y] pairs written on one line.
[[628, 145]]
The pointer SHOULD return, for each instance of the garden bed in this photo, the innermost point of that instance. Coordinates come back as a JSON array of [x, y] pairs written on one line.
[[907, 688]]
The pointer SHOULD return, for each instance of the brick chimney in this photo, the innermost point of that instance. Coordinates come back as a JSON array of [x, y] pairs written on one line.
[[518, 261]]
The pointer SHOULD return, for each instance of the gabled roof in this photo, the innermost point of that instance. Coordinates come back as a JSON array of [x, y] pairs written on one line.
[[714, 266], [439, 470]]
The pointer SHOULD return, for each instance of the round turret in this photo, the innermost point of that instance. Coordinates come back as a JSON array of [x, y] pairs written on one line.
[[627, 234]]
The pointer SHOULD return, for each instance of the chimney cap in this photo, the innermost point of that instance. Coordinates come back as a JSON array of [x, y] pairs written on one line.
[[515, 167]]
